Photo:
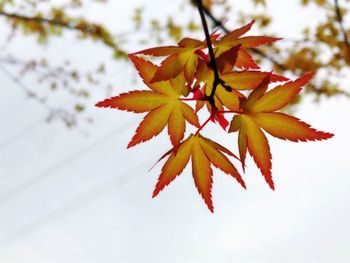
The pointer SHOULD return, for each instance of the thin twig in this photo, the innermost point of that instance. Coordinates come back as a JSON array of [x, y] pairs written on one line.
[[91, 29], [69, 118], [28, 92], [42, 20], [341, 25], [203, 125]]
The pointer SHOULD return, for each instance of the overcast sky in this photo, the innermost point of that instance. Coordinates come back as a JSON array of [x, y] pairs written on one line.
[[65, 197]]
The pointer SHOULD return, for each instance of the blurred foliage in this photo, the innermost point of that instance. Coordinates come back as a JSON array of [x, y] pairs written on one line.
[[324, 48]]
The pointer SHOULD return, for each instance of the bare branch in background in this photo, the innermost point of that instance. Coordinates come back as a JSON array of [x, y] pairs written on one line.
[[341, 25], [69, 118]]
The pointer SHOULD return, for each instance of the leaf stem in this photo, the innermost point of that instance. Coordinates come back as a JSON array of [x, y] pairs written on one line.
[[188, 99], [202, 126], [230, 111], [213, 64]]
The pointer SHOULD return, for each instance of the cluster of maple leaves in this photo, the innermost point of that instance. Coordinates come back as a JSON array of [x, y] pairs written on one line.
[[186, 74]]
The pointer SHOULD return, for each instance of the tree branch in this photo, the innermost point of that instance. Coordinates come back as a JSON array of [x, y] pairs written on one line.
[[218, 23], [340, 21], [211, 52], [94, 30]]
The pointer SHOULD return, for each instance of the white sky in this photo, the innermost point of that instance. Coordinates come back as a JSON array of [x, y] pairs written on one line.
[[65, 197]]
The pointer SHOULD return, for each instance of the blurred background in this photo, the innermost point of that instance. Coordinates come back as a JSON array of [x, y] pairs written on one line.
[[71, 192]]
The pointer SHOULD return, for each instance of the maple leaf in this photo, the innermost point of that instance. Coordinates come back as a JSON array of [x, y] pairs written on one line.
[[213, 81], [249, 80], [232, 39], [203, 152], [222, 97], [161, 101], [258, 112], [243, 80], [181, 58]]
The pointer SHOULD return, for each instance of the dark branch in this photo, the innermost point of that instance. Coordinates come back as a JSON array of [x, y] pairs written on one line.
[[218, 23], [40, 20], [213, 64], [94, 30]]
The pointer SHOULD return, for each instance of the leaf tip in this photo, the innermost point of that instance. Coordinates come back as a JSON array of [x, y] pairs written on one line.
[[131, 144], [242, 183], [326, 136], [209, 204], [99, 104], [155, 193], [107, 103], [270, 183], [308, 76]]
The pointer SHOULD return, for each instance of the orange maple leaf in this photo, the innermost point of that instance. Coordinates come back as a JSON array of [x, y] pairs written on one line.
[[237, 80], [181, 58], [161, 101], [203, 153], [258, 112], [232, 39], [215, 82]]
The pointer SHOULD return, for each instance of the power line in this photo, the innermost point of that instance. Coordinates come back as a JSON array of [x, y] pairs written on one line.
[[28, 92], [15, 107], [71, 206], [17, 136], [68, 118], [58, 166]]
